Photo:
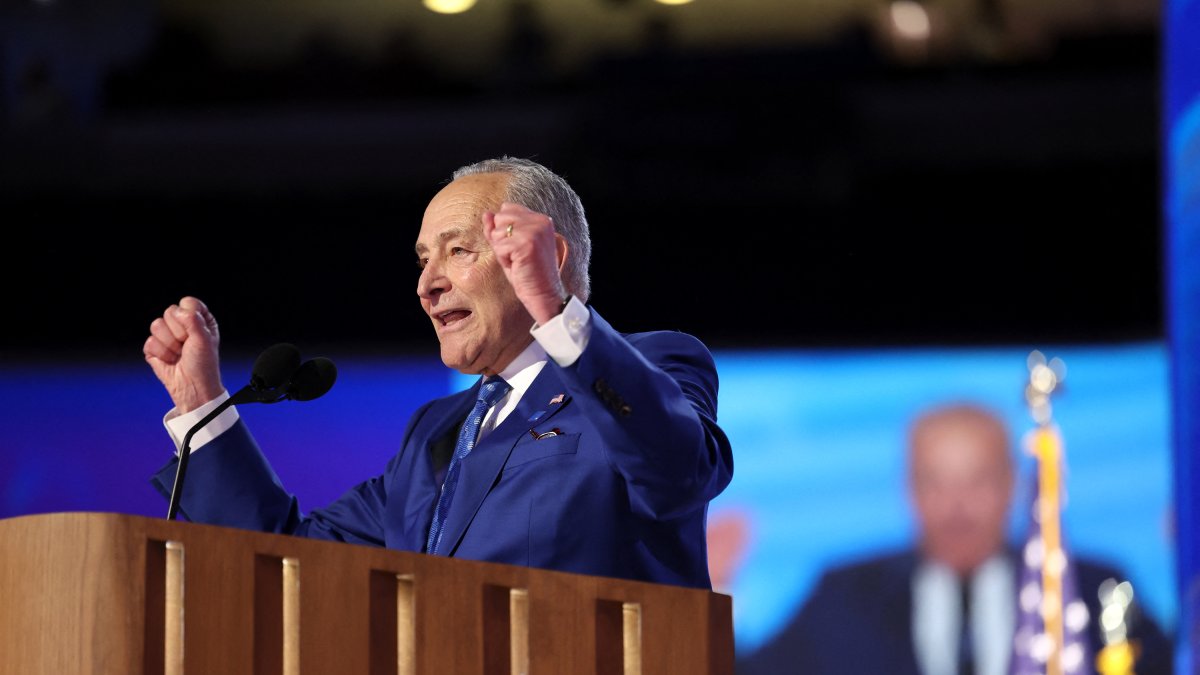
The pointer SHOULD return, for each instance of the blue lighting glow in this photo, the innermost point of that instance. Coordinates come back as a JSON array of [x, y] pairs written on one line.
[[818, 442]]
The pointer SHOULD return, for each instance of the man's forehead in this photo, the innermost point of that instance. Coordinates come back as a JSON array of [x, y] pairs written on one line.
[[427, 239], [955, 446], [476, 191], [456, 210]]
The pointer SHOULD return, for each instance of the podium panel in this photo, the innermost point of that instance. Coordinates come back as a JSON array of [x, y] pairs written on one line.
[[94, 593]]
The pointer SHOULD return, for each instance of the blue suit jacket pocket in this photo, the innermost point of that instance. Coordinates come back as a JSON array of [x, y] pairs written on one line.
[[529, 449]]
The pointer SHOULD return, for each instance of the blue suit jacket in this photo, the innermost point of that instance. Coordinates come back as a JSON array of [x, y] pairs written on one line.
[[858, 620], [621, 491]]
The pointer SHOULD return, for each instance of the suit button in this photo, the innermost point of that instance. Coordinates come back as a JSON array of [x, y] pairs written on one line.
[[600, 386], [625, 410]]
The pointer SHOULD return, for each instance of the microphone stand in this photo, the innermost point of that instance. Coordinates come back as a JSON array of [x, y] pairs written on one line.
[[247, 394]]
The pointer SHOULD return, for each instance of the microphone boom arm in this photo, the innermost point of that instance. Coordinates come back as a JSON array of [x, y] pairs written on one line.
[[247, 394]]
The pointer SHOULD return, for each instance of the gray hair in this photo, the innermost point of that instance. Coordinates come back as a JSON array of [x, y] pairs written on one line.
[[535, 187]]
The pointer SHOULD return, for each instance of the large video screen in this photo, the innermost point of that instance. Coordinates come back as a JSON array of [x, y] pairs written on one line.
[[821, 463]]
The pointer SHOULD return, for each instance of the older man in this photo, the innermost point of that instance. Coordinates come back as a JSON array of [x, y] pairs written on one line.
[[579, 449], [948, 607]]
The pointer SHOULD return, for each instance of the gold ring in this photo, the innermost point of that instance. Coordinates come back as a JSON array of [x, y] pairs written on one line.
[[508, 232]]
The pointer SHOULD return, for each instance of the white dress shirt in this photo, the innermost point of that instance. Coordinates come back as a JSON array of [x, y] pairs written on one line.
[[937, 617]]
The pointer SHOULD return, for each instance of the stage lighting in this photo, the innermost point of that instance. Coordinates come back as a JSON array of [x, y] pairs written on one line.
[[449, 6], [910, 19]]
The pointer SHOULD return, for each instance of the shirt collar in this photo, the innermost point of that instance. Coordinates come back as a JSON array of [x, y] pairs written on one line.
[[523, 370], [993, 566]]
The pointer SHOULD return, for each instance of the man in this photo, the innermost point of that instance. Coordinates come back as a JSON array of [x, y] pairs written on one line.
[[903, 614], [580, 449]]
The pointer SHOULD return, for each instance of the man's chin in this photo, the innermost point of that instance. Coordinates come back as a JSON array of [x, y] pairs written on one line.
[[460, 366], [455, 359], [966, 563]]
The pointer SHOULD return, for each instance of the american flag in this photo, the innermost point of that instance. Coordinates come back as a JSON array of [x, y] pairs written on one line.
[[1048, 600]]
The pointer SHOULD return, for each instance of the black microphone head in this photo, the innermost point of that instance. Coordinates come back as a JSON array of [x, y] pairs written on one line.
[[313, 379], [274, 366]]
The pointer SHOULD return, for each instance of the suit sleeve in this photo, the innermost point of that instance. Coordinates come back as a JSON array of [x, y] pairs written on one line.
[[231, 483], [652, 397], [1155, 654], [793, 649]]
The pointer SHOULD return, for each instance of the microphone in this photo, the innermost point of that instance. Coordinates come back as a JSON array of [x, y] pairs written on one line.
[[312, 379], [277, 375], [274, 366]]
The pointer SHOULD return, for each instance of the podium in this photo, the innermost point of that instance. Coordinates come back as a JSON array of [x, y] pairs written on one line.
[[97, 593]]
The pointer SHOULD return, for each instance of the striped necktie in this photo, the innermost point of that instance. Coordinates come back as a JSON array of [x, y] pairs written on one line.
[[490, 392]]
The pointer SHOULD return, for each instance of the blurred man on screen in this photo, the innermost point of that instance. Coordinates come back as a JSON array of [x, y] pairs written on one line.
[[949, 605], [579, 449]]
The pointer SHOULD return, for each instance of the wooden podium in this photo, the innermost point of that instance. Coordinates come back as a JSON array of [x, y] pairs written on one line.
[[91, 593]]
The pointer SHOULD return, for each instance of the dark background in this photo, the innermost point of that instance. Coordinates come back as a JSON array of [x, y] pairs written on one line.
[[818, 193]]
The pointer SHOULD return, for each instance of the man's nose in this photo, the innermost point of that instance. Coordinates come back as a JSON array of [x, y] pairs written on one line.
[[432, 281]]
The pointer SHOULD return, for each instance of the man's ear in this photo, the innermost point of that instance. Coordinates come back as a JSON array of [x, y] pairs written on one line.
[[561, 249]]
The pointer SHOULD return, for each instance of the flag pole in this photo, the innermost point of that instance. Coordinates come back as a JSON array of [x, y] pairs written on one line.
[[1044, 379]]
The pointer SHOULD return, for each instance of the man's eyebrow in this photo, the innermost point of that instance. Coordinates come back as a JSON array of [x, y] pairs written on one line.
[[443, 237]]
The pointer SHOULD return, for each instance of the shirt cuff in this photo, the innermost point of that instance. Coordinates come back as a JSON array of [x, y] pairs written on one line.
[[178, 424], [565, 336]]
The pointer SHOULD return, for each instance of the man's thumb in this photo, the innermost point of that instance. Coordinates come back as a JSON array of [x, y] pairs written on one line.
[[197, 319]]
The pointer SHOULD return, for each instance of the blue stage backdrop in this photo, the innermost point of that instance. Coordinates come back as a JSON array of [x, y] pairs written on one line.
[[818, 441], [1181, 130]]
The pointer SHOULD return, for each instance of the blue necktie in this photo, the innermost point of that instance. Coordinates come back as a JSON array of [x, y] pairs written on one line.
[[492, 390], [966, 647]]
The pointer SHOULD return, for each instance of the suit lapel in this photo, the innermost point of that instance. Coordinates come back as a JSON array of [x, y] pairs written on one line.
[[482, 467], [897, 614], [422, 492]]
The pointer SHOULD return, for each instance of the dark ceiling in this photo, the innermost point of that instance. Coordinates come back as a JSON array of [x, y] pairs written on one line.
[[806, 195]]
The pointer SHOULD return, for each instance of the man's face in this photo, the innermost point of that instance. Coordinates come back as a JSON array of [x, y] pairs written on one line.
[[961, 487], [481, 324]]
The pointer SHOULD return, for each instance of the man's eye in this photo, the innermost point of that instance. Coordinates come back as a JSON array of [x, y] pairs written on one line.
[[421, 262], [458, 250]]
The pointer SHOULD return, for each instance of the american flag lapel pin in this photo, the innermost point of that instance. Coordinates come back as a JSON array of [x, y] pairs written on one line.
[[556, 400]]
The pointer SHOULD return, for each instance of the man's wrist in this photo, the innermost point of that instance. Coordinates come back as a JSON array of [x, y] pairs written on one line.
[[551, 314], [565, 336], [178, 424]]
